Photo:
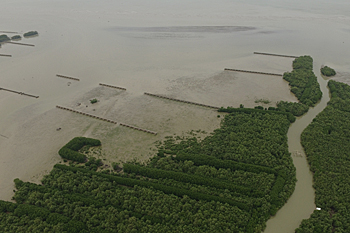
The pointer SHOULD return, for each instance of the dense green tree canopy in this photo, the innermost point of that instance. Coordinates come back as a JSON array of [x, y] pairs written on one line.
[[327, 145], [303, 81], [327, 71], [232, 181], [31, 33], [16, 37], [297, 109]]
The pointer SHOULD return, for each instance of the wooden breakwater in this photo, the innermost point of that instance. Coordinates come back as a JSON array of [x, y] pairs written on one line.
[[277, 55], [7, 32], [105, 119], [63, 76], [5, 55], [20, 93], [106, 85], [144, 130], [254, 72], [20, 43], [87, 114], [183, 101]]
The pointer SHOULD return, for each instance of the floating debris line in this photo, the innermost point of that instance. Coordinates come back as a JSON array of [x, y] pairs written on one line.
[[63, 76], [5, 55], [20, 93], [273, 54], [106, 85], [104, 119], [19, 43], [183, 101], [253, 72]]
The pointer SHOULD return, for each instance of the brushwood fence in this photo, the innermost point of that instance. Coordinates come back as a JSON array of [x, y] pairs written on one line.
[[253, 72], [183, 101], [18, 92], [107, 120]]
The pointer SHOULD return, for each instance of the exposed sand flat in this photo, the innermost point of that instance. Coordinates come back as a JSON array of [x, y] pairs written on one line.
[[343, 77], [30, 147]]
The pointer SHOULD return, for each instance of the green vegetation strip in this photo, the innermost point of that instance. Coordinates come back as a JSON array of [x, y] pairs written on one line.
[[200, 160], [327, 71], [276, 189], [31, 33], [16, 37], [229, 164], [289, 116], [70, 150], [188, 178], [297, 109], [34, 212], [75, 197], [166, 189]]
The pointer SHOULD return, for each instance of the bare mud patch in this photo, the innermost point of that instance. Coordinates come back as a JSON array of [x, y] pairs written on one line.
[[30, 146], [343, 77], [31, 138]]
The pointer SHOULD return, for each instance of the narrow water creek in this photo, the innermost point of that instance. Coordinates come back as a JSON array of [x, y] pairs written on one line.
[[302, 202]]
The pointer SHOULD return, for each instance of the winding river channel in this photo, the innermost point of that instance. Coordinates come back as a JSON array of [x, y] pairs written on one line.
[[301, 204]]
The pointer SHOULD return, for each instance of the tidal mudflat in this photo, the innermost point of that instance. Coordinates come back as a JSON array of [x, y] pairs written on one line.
[[177, 50]]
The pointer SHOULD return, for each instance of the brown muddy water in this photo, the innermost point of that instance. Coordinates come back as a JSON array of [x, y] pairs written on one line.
[[173, 48], [301, 204]]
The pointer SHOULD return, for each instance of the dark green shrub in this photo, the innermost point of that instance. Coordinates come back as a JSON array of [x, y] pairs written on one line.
[[4, 38], [16, 37], [303, 81], [327, 71], [187, 178], [297, 109], [166, 189], [290, 116], [93, 101], [31, 33], [70, 150], [6, 206]]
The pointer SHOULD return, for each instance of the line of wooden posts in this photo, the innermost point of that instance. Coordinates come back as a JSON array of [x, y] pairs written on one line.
[[183, 101], [273, 54], [9, 42], [18, 92], [64, 76], [253, 72], [107, 120], [106, 85]]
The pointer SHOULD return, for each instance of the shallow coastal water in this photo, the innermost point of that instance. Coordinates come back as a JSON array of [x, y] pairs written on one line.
[[178, 49]]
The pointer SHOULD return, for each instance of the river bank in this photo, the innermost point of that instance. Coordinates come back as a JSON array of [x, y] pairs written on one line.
[[304, 194]]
